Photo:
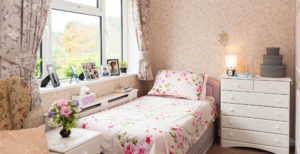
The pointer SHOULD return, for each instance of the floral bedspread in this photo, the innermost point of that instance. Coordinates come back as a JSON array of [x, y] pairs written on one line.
[[152, 124]]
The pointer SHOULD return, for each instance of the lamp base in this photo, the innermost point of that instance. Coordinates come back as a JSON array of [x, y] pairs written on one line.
[[230, 72]]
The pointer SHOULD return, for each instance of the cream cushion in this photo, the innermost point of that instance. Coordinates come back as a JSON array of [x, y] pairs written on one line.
[[25, 141]]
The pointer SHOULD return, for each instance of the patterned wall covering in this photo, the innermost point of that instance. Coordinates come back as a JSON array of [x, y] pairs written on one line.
[[35, 117], [184, 34]]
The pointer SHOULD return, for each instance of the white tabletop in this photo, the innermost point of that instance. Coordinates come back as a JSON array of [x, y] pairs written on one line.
[[78, 136], [257, 77]]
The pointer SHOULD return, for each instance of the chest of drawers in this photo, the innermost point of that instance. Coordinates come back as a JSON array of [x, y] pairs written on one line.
[[255, 113]]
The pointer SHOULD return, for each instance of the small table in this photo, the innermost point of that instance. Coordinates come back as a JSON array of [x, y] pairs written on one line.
[[80, 141]]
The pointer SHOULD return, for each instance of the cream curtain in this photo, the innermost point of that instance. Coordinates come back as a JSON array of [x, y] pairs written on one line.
[[141, 16], [21, 27]]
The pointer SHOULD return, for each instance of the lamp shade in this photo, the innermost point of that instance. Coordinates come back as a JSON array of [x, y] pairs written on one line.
[[231, 61]]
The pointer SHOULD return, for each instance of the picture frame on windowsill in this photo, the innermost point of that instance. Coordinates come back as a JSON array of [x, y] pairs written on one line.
[[53, 75], [90, 71], [114, 66], [105, 71]]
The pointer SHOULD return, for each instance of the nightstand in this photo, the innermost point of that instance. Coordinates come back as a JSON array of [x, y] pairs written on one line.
[[80, 141], [255, 113]]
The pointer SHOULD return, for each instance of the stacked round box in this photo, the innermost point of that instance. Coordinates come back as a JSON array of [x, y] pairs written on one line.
[[272, 66]]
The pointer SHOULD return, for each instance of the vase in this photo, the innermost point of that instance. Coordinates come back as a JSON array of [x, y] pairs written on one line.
[[65, 133], [123, 70]]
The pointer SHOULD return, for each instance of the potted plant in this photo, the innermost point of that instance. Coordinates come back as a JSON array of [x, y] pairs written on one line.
[[65, 113], [123, 66]]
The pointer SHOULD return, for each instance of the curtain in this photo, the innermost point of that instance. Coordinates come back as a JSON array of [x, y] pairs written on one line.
[[141, 17], [21, 27]]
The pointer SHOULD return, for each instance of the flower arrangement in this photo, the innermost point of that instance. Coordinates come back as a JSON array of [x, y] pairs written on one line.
[[64, 112]]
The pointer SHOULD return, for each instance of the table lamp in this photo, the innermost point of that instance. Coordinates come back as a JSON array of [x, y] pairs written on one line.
[[231, 61]]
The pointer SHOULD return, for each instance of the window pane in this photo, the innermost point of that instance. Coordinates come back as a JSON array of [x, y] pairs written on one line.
[[92, 3], [38, 68], [114, 29], [75, 39]]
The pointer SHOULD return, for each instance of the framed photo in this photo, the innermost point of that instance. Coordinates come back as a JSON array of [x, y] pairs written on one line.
[[75, 75], [53, 75], [90, 71], [105, 70], [114, 66]]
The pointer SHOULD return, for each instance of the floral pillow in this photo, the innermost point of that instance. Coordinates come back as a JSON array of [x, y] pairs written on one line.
[[182, 84]]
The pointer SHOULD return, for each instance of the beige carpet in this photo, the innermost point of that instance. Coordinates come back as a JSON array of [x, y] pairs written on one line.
[[217, 149]]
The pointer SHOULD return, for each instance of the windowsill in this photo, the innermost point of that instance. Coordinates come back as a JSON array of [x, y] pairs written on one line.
[[65, 84]]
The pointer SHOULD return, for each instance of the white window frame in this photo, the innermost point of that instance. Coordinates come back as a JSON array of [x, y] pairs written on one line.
[[99, 11]]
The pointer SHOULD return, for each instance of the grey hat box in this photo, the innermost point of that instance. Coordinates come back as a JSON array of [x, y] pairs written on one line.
[[273, 71], [273, 51], [273, 59]]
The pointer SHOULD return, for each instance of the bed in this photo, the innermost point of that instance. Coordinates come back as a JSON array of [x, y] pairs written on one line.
[[152, 124]]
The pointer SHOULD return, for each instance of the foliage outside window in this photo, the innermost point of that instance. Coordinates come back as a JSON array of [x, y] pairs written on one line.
[[75, 40]]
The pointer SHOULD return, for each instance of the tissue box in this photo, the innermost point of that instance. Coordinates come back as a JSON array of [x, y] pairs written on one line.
[[85, 100]]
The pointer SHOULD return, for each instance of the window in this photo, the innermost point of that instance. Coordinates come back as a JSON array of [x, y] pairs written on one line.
[[114, 29], [39, 64], [75, 35], [93, 3], [75, 39]]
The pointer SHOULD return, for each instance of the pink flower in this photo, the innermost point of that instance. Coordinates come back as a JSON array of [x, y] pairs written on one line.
[[83, 126], [111, 126], [129, 148], [66, 111], [148, 139], [141, 149], [62, 103], [200, 87], [69, 101], [157, 90]]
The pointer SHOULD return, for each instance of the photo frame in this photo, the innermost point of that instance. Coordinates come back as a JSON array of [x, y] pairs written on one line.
[[74, 75], [53, 75], [114, 66], [90, 71], [105, 70]]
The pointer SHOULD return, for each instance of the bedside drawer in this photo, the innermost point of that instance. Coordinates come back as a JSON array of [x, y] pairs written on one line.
[[255, 137], [255, 125], [91, 147], [260, 99], [274, 87], [255, 112], [237, 85]]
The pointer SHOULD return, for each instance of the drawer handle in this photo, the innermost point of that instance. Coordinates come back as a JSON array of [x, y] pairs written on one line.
[[277, 101], [272, 87], [276, 140], [231, 134], [230, 97], [277, 114], [277, 127], [231, 109], [230, 122]]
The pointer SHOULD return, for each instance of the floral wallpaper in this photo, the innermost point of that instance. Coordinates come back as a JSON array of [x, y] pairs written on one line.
[[184, 34]]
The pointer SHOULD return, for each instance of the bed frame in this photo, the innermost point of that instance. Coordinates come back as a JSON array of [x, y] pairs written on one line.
[[207, 139]]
